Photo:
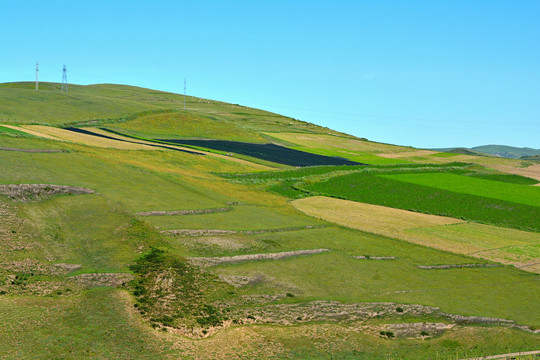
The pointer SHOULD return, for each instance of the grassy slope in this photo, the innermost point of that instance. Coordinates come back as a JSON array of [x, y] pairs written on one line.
[[101, 233]]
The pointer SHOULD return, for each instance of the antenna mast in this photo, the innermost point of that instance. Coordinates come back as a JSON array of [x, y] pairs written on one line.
[[37, 71], [64, 80], [184, 93]]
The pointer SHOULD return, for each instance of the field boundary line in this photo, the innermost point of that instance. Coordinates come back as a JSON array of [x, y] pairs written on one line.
[[505, 356]]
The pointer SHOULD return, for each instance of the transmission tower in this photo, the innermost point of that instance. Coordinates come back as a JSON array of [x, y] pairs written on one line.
[[184, 93], [64, 80], [37, 71]]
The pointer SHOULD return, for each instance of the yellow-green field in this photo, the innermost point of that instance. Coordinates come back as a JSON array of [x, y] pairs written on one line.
[[507, 246]]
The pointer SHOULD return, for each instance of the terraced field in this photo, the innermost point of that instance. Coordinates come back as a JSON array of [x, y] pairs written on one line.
[[168, 254], [268, 152], [507, 246]]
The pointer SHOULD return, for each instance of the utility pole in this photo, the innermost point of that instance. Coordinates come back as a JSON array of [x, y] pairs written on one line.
[[184, 93], [37, 71], [64, 80]]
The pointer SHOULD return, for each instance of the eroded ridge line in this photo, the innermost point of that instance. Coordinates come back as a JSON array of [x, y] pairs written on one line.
[[456, 266], [212, 261], [206, 232], [506, 356], [3, 148], [183, 212]]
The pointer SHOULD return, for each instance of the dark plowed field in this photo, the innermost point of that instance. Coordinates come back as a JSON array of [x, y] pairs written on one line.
[[269, 152]]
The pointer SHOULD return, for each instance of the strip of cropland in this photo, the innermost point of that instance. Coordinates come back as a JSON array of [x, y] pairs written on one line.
[[88, 132], [269, 152], [507, 246]]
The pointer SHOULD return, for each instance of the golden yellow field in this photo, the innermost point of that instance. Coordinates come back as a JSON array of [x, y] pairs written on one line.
[[31, 132], [84, 139]]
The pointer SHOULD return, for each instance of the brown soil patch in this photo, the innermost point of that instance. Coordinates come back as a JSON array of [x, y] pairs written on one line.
[[213, 261], [366, 257], [29, 192]]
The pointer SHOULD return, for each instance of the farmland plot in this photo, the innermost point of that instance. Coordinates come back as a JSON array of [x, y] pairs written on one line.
[[507, 246], [269, 152], [474, 186], [403, 195]]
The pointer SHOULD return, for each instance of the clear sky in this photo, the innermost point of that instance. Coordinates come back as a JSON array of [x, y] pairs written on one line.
[[421, 73]]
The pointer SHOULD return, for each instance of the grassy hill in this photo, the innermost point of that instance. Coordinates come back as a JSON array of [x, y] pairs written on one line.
[[510, 152], [116, 244]]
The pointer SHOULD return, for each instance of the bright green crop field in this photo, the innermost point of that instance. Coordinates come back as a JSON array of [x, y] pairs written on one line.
[[386, 191], [522, 194]]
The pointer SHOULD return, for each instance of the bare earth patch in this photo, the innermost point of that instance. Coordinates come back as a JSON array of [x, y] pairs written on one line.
[[30, 192], [212, 261]]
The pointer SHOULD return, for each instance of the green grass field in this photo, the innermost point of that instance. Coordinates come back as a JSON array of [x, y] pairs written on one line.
[[528, 195], [385, 191], [66, 261]]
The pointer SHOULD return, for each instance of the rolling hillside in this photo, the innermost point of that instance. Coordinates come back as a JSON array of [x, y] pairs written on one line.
[[510, 152], [132, 228]]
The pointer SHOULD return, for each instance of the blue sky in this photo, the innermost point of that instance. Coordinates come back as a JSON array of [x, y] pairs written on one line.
[[419, 73]]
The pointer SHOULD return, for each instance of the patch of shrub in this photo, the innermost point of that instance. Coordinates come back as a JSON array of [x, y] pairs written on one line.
[[171, 292]]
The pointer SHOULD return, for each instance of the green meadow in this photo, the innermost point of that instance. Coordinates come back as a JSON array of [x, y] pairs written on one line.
[[88, 276]]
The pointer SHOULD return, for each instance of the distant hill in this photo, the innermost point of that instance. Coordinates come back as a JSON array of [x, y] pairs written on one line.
[[504, 151], [507, 151], [533, 157]]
